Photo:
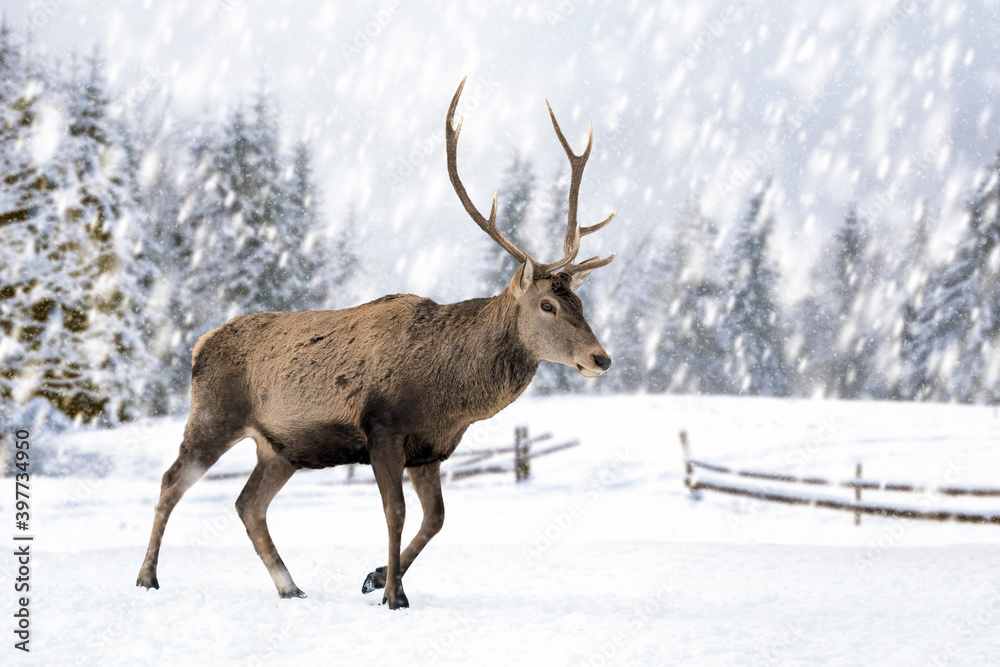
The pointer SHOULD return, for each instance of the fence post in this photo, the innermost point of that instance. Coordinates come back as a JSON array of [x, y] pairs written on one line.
[[857, 494], [522, 469], [688, 468]]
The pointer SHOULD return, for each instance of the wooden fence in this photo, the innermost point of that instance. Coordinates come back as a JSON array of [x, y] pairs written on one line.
[[515, 459], [695, 483], [464, 463]]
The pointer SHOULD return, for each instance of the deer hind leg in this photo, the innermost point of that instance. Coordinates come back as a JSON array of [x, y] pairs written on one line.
[[201, 448], [388, 460], [427, 483], [270, 474]]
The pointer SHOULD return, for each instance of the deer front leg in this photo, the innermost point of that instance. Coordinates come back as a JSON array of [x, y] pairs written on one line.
[[427, 483], [388, 460]]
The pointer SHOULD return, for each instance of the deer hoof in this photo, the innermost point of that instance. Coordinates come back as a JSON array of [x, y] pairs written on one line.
[[374, 581], [294, 593], [147, 582], [399, 603]]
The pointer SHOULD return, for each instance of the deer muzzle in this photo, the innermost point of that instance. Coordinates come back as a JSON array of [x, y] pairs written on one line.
[[598, 366]]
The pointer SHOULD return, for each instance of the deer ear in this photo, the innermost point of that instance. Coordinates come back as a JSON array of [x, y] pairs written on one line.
[[522, 279], [576, 279]]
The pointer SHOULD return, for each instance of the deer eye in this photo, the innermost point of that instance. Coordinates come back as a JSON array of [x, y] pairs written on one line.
[[548, 307]]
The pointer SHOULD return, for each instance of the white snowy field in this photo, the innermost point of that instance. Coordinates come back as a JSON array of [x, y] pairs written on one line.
[[601, 558]]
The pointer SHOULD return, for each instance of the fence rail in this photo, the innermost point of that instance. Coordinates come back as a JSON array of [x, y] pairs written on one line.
[[463, 463], [695, 484]]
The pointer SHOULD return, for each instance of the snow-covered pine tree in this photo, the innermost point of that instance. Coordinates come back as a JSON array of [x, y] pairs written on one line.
[[237, 228], [26, 210], [906, 268], [851, 369], [101, 195], [150, 163], [688, 297], [184, 213], [632, 317], [72, 303], [907, 365], [813, 344], [282, 216], [252, 197], [231, 222], [302, 281], [951, 347], [343, 264], [163, 161], [515, 200], [246, 237], [199, 244], [751, 324]]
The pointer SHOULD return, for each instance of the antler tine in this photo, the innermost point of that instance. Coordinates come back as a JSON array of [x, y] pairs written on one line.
[[451, 132], [591, 264], [601, 225], [571, 240]]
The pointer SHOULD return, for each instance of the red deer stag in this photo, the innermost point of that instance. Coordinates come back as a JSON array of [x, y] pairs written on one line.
[[393, 383]]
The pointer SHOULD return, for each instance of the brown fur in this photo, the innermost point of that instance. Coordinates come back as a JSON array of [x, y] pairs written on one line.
[[322, 380]]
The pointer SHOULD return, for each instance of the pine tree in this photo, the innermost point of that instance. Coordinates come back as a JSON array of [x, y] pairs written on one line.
[[910, 358], [687, 299], [752, 322], [299, 260], [238, 205], [813, 345], [138, 128], [950, 343], [851, 372], [70, 305], [26, 211], [638, 313], [343, 263], [167, 250], [102, 196], [634, 308], [250, 176]]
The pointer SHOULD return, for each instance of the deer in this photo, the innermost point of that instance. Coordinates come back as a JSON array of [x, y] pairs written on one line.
[[393, 383]]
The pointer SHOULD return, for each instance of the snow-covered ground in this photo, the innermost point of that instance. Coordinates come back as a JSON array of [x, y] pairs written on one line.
[[601, 558]]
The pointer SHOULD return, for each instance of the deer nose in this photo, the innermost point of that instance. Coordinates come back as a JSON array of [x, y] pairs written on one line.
[[604, 363]]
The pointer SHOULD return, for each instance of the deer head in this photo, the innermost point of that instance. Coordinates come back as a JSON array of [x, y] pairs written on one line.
[[550, 316]]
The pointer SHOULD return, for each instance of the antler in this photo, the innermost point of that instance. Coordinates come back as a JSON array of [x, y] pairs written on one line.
[[451, 132], [571, 241]]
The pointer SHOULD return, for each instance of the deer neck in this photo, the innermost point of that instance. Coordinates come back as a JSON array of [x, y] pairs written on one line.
[[497, 365]]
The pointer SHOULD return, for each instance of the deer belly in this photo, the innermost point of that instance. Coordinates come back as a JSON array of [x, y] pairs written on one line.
[[319, 445]]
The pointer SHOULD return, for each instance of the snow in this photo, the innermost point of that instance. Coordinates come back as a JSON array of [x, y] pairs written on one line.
[[602, 557]]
